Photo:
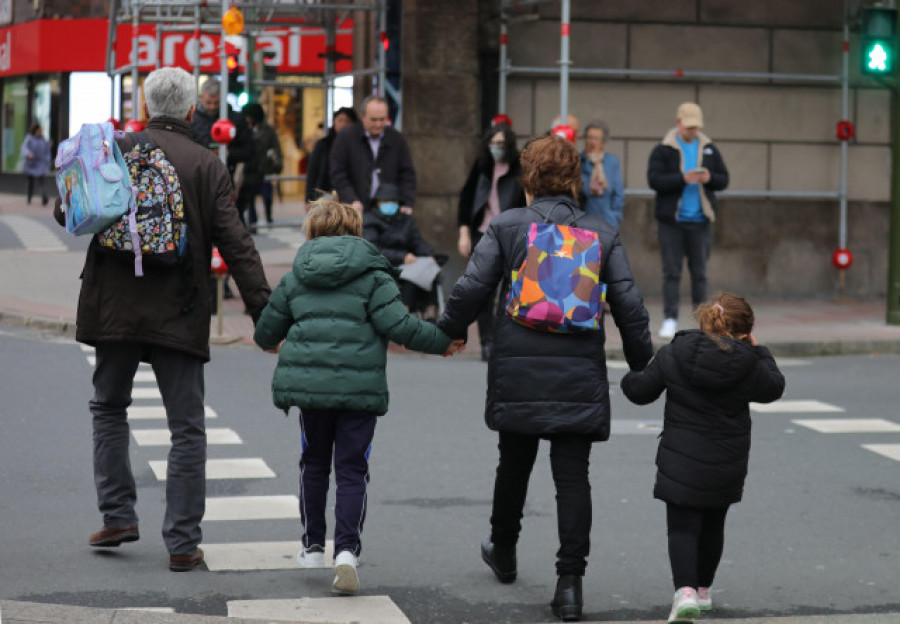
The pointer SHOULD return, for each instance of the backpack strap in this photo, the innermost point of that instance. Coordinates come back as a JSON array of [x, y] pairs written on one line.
[[546, 217]]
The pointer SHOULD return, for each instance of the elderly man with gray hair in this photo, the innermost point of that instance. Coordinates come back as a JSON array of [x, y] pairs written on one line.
[[162, 318]]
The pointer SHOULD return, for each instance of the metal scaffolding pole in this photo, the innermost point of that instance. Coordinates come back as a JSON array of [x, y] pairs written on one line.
[[501, 104], [329, 74], [845, 114], [564, 63], [223, 84], [382, 53]]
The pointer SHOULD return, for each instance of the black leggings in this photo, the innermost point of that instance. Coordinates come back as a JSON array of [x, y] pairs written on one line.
[[696, 538]]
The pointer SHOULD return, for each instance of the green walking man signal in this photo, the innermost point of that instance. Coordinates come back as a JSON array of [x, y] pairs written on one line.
[[879, 41]]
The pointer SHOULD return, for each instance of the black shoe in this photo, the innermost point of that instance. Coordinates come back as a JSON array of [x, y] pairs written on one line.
[[501, 559], [567, 601]]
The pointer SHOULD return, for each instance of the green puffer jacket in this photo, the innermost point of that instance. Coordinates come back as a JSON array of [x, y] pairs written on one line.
[[337, 309]]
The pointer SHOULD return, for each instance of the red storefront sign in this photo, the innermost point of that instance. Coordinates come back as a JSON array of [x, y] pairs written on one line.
[[65, 45], [295, 50]]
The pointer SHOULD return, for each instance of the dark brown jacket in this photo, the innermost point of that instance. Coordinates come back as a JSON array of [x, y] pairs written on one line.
[[170, 306]]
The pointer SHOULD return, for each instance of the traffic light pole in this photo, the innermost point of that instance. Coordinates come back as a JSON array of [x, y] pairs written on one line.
[[893, 290]]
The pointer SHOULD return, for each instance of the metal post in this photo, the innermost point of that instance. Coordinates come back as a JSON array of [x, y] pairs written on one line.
[[159, 29], [893, 286], [197, 40], [330, 39], [501, 104], [135, 54], [845, 114], [382, 53], [564, 63], [223, 84]]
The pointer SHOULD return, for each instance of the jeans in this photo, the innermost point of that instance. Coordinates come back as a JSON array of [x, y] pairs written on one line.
[[677, 240], [180, 379], [347, 436], [696, 540], [569, 461]]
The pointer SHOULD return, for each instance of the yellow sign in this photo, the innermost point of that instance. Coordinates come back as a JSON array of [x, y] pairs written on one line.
[[233, 21]]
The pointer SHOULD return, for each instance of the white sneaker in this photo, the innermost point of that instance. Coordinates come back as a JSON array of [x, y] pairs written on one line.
[[684, 606], [704, 600], [668, 329], [312, 557], [346, 581]]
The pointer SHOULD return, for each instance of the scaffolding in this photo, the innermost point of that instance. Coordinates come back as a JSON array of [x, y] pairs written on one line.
[[262, 17], [511, 10]]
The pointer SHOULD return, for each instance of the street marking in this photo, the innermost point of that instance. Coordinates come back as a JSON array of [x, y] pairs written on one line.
[[92, 360], [641, 427], [337, 610], [252, 508], [850, 425], [253, 468], [33, 235], [795, 407], [145, 376], [146, 393], [242, 556], [891, 451], [158, 412], [162, 437], [86, 348], [151, 609]]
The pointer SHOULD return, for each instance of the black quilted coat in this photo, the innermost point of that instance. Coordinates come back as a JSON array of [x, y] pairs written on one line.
[[705, 443], [542, 383]]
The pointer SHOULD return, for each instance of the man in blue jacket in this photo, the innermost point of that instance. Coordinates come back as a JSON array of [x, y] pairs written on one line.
[[685, 170]]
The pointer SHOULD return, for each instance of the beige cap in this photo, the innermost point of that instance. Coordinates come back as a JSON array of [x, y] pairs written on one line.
[[690, 115]]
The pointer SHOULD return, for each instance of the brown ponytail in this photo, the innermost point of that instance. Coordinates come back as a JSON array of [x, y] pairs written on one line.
[[725, 314]]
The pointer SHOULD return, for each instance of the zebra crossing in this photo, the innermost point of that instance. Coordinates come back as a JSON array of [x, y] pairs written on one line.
[[247, 556]]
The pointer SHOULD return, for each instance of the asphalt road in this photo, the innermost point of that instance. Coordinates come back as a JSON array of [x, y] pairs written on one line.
[[816, 534]]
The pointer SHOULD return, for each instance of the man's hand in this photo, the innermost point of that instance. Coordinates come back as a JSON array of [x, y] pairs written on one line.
[[704, 175], [409, 258], [692, 177], [406, 210]]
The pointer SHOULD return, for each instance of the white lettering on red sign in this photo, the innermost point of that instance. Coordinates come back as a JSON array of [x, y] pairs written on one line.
[[178, 48], [5, 53]]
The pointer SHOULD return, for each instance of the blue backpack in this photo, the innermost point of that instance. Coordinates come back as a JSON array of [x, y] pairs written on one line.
[[93, 181]]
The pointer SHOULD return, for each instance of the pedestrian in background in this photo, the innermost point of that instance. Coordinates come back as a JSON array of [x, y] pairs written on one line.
[[337, 307], [491, 188], [36, 161], [544, 385], [162, 318], [318, 173], [601, 174], [710, 376], [685, 170], [267, 160]]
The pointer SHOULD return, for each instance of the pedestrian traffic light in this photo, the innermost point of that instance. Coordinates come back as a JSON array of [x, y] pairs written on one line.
[[879, 41], [236, 84]]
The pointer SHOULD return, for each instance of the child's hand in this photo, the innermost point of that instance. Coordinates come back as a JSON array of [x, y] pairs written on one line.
[[276, 349], [457, 346]]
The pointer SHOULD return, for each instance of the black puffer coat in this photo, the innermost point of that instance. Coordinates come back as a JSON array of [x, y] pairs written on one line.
[[394, 235], [705, 443], [541, 383]]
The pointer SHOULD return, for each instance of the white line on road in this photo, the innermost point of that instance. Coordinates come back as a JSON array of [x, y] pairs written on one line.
[[146, 393], [161, 437], [34, 235], [158, 412], [250, 468], [891, 451], [242, 556], [850, 425], [251, 508], [795, 407], [338, 610]]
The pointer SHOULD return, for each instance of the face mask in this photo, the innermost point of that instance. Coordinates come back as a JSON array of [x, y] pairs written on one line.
[[497, 153], [388, 208]]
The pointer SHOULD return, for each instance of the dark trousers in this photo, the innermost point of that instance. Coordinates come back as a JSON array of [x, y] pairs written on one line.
[[247, 201], [180, 380], [40, 184], [569, 461], [347, 436], [677, 240], [696, 539]]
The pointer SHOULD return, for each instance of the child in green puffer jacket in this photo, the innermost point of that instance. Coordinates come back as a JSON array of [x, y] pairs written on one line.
[[335, 312]]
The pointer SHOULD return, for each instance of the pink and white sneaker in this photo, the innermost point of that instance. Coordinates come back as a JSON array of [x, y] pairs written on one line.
[[684, 606], [704, 600]]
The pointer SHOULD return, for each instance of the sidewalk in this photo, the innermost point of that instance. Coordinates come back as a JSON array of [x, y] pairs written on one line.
[[39, 289]]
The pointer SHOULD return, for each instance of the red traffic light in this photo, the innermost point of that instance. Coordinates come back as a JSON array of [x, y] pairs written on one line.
[[223, 131], [217, 264], [842, 258], [231, 62]]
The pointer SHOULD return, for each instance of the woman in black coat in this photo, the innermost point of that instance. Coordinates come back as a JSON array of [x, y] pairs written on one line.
[[710, 377], [491, 188], [547, 385]]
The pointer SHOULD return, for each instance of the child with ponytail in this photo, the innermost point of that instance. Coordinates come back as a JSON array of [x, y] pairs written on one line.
[[710, 377]]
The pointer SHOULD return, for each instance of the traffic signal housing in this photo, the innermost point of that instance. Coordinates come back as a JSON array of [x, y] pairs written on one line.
[[236, 85], [879, 41]]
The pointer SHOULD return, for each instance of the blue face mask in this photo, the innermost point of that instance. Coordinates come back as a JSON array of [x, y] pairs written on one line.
[[388, 208]]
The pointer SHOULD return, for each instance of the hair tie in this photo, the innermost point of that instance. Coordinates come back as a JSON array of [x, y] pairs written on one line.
[[719, 307]]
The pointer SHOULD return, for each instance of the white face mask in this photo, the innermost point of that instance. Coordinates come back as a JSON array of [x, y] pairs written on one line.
[[497, 153]]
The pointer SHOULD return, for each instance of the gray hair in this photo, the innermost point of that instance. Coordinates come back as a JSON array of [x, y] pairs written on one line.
[[372, 98], [169, 92], [211, 87], [597, 124]]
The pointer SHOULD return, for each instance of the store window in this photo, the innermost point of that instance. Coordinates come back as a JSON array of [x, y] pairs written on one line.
[[15, 122]]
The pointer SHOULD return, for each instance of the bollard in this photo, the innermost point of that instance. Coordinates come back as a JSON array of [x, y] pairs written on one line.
[[218, 267]]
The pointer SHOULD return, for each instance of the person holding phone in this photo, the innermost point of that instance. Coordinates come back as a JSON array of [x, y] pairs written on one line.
[[685, 169]]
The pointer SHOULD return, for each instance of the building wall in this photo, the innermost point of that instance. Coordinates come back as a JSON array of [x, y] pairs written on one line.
[[774, 135]]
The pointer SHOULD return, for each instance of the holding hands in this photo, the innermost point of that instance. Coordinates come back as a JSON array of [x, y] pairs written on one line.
[[457, 346]]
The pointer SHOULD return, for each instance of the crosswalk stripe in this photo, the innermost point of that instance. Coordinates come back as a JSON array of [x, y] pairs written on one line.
[[158, 412], [243, 556], [245, 468], [144, 377], [151, 609], [795, 407], [620, 426], [337, 610], [161, 437], [850, 425], [34, 235], [146, 393], [251, 508], [891, 451]]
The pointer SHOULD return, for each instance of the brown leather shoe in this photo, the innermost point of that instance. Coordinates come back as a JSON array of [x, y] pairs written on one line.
[[186, 563], [108, 537]]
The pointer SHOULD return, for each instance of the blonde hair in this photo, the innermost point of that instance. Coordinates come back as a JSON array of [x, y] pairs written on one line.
[[726, 314], [327, 217]]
